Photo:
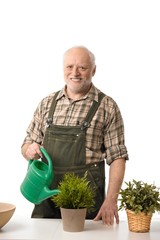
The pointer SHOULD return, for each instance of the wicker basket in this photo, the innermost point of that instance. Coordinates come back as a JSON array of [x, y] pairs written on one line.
[[138, 222]]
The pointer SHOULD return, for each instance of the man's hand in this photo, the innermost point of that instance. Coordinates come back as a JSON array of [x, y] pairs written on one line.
[[109, 208], [31, 151], [108, 212]]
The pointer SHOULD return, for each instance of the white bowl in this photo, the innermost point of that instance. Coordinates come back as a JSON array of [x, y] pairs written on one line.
[[6, 212]]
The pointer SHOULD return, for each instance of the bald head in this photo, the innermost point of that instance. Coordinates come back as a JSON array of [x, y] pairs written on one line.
[[83, 51]]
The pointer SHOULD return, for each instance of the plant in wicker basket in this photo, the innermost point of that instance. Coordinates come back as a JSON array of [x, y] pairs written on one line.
[[140, 200]]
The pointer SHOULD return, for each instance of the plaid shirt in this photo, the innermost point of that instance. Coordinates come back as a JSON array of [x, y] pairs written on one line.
[[106, 127]]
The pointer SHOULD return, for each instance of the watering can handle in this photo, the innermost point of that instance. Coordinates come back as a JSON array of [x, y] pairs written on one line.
[[46, 155], [48, 158], [44, 152]]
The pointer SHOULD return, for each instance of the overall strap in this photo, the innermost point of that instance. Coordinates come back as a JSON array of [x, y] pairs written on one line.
[[92, 111], [89, 116], [52, 108]]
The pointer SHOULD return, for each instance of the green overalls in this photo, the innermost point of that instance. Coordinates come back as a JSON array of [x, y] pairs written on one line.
[[66, 146]]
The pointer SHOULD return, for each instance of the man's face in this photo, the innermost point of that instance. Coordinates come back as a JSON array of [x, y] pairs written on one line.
[[78, 71]]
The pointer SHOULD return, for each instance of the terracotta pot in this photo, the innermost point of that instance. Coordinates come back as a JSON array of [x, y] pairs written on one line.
[[73, 219]]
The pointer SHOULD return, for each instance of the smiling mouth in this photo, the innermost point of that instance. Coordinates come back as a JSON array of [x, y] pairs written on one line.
[[76, 79]]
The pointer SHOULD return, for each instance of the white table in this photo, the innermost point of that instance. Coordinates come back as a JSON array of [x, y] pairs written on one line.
[[21, 227]]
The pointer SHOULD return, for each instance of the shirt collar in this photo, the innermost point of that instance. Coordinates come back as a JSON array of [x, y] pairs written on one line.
[[92, 94]]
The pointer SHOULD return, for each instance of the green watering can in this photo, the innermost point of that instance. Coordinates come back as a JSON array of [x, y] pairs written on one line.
[[35, 186]]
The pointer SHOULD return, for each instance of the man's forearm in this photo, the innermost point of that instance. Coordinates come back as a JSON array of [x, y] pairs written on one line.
[[116, 176]]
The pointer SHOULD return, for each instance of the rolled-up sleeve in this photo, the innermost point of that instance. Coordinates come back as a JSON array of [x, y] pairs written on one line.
[[114, 139]]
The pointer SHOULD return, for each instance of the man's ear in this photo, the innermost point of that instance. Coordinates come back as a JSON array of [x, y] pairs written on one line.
[[94, 71]]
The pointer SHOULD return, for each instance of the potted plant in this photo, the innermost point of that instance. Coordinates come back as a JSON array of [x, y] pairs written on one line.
[[140, 200], [76, 197]]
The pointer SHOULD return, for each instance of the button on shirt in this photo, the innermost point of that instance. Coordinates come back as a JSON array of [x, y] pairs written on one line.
[[105, 135]]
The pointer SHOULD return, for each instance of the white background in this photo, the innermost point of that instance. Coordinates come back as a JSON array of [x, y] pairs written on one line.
[[125, 38]]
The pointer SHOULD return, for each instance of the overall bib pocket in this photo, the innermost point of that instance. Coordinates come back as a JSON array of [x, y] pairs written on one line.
[[66, 145]]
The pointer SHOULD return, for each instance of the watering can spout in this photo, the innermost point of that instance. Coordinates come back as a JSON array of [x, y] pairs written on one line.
[[47, 193]]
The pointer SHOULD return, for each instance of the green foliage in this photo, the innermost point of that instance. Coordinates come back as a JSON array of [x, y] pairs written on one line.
[[140, 197], [75, 192]]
